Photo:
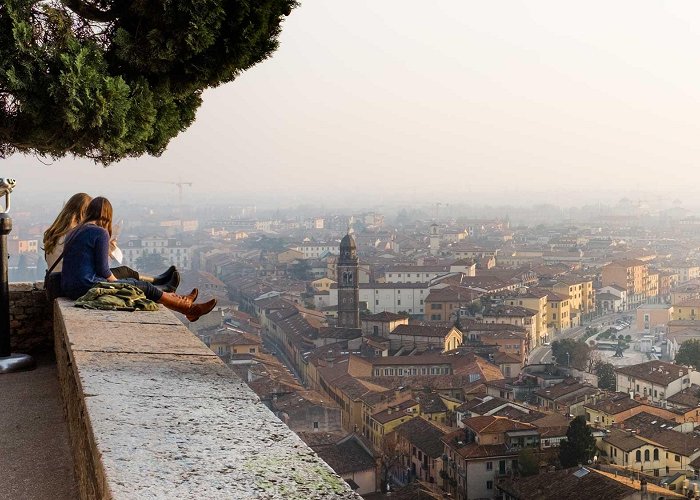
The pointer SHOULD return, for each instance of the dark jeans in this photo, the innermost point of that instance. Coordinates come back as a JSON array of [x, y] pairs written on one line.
[[151, 292], [124, 272]]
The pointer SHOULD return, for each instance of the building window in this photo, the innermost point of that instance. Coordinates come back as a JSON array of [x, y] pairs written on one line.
[[656, 453], [315, 425], [646, 455], [489, 485], [489, 465], [638, 456]]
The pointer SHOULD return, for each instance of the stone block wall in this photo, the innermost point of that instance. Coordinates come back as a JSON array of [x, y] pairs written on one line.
[[154, 413], [31, 318]]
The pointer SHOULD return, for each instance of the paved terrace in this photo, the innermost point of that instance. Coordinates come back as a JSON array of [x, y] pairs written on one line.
[[35, 455], [151, 412]]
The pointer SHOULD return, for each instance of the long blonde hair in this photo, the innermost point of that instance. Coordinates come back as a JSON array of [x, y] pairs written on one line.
[[70, 216]]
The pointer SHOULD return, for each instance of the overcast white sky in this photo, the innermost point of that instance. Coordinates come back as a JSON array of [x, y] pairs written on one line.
[[401, 99]]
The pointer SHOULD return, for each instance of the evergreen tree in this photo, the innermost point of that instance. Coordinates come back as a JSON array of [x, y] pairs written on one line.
[[606, 376], [110, 79], [689, 354], [579, 445], [527, 462]]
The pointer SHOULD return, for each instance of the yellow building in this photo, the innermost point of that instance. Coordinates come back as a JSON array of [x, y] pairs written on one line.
[[631, 452], [537, 301], [514, 315], [580, 294], [385, 421], [632, 275], [558, 313], [322, 284], [230, 343], [688, 309]]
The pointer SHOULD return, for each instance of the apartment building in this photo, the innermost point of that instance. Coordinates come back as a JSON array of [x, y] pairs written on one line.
[[172, 250], [535, 300], [633, 276]]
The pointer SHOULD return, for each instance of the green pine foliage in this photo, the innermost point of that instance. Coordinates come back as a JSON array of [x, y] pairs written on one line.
[[579, 445], [606, 376], [111, 79], [689, 354]]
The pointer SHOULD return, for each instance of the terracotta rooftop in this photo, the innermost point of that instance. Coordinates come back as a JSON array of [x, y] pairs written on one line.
[[563, 389], [423, 435], [396, 411], [494, 425], [657, 372], [624, 440], [421, 331], [570, 483], [688, 397], [385, 316], [614, 404]]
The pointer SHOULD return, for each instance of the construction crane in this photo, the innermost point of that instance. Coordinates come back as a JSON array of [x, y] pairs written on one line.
[[179, 185]]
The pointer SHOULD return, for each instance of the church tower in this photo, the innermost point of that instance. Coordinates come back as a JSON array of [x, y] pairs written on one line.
[[348, 284], [434, 239]]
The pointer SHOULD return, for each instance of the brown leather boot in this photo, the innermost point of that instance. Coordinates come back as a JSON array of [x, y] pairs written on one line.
[[184, 304], [179, 303], [201, 309]]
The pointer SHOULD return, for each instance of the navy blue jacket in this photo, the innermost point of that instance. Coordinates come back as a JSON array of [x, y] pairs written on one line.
[[85, 260]]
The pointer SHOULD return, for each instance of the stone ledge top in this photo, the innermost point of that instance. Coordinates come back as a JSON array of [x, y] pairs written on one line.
[[170, 420]]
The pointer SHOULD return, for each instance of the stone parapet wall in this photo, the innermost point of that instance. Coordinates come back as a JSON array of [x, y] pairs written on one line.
[[153, 413], [31, 318]]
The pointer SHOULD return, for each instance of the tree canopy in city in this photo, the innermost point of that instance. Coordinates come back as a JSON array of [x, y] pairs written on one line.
[[689, 354], [578, 353], [606, 376], [579, 445], [110, 79]]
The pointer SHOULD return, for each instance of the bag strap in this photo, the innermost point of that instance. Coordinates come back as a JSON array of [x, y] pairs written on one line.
[[53, 266], [73, 234]]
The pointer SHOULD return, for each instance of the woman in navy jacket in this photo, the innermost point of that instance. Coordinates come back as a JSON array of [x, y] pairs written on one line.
[[86, 263]]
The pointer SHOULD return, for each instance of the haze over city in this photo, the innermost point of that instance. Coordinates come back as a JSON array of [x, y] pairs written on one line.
[[423, 251], [476, 102]]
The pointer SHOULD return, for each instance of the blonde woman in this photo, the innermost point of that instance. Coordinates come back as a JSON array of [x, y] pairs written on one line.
[[71, 215]]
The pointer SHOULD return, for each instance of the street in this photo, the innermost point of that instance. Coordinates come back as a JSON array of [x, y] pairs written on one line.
[[543, 354]]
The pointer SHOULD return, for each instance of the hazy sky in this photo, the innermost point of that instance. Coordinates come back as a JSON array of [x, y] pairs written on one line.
[[400, 99]]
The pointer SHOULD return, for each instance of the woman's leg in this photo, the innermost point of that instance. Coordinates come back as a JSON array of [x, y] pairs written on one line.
[[150, 291], [185, 305], [169, 280], [124, 272]]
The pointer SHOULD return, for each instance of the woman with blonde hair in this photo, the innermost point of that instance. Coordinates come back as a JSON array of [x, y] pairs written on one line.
[[86, 263], [70, 216]]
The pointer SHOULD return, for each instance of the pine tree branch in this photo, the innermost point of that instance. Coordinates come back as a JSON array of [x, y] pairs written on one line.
[[89, 11]]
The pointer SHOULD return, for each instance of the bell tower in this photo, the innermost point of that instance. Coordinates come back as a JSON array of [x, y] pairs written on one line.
[[348, 284]]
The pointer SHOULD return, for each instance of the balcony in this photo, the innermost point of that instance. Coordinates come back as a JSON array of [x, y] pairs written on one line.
[[150, 412]]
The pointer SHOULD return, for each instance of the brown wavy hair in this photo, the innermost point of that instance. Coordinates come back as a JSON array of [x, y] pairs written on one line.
[[72, 214], [99, 211]]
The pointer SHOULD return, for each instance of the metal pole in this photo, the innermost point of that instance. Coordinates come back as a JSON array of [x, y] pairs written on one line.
[[9, 362], [5, 228]]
